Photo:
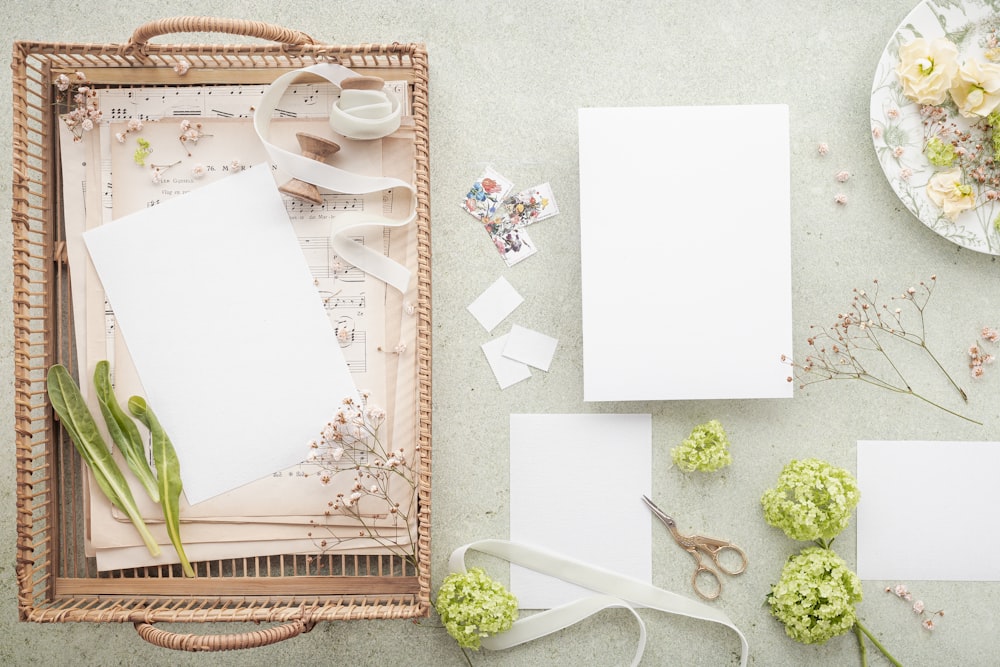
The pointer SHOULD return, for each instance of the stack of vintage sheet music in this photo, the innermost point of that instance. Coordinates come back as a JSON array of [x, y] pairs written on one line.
[[233, 507]]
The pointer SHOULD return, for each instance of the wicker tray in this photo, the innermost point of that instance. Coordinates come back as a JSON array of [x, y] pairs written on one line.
[[56, 582]]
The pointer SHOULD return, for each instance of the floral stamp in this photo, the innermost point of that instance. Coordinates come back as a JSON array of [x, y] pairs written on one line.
[[486, 194], [505, 217]]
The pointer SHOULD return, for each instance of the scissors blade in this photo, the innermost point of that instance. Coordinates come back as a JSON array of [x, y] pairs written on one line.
[[658, 513]]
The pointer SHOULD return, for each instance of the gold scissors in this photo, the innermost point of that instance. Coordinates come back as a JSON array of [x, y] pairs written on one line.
[[695, 543]]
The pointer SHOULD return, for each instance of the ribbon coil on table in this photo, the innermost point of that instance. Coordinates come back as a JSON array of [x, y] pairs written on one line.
[[611, 590], [365, 116]]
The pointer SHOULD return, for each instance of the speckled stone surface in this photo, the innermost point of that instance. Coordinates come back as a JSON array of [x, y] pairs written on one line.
[[507, 79]]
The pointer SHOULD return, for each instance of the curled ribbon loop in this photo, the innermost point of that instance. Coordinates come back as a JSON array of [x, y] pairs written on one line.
[[611, 590], [339, 180], [365, 114]]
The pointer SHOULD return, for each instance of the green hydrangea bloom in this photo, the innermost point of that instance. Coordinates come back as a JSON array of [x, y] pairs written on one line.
[[939, 153], [812, 501], [472, 606], [815, 596], [706, 449]]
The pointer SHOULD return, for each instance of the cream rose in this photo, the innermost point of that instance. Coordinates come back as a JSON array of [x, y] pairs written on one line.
[[950, 194], [976, 90], [927, 69]]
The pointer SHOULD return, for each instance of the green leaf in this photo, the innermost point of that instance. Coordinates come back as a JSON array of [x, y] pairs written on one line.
[[123, 431], [68, 403], [168, 475]]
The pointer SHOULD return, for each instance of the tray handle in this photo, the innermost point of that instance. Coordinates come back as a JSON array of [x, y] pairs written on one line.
[[268, 31], [227, 642]]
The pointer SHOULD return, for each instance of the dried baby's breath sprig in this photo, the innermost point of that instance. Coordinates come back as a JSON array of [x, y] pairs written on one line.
[[191, 133], [82, 104], [142, 152], [367, 479], [869, 331], [978, 357], [158, 171], [918, 607], [134, 125]]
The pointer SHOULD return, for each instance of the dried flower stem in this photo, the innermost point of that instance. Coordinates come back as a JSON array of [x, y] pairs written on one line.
[[862, 329], [350, 444]]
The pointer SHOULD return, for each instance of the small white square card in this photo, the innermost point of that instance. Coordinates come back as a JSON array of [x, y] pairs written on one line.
[[530, 347], [493, 306], [507, 371]]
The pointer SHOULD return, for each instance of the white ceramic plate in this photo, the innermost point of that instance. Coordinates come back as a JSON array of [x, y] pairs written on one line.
[[897, 126]]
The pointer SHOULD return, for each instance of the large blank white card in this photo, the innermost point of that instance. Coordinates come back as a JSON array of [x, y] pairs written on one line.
[[686, 252]]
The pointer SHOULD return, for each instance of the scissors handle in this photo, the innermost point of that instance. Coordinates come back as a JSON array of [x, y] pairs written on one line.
[[715, 547], [700, 574]]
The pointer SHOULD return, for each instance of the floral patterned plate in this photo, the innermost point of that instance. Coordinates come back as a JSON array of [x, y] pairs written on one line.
[[901, 128]]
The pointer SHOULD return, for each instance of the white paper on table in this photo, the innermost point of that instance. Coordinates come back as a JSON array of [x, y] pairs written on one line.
[[576, 486], [494, 305], [219, 311], [686, 252], [530, 347], [928, 510], [507, 371]]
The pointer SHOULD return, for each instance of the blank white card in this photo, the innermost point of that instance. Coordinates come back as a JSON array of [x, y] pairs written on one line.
[[928, 511], [686, 252]]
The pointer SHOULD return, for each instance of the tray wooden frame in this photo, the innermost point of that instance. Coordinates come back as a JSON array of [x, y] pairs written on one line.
[[56, 582]]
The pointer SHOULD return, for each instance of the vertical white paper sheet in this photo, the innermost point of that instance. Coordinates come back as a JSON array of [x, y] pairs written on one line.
[[686, 252], [576, 486], [928, 511], [228, 334]]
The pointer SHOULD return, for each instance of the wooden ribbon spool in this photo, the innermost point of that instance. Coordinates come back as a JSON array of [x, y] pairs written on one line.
[[314, 148]]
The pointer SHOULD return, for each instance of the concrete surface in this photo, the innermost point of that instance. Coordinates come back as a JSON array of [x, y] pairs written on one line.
[[506, 81]]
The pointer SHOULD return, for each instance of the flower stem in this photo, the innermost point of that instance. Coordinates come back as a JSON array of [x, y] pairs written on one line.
[[965, 397], [860, 627], [939, 406], [861, 645]]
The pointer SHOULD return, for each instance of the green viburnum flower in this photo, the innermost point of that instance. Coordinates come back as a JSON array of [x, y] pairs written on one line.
[[939, 153], [812, 501], [706, 449], [472, 606], [815, 596], [142, 152]]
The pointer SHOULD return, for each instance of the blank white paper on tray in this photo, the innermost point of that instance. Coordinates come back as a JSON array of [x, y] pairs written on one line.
[[576, 486], [928, 511], [222, 319], [686, 252]]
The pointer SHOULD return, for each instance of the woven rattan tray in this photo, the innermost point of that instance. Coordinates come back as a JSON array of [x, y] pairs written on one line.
[[56, 581]]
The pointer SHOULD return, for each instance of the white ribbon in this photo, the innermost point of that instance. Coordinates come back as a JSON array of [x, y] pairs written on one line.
[[338, 180], [614, 590]]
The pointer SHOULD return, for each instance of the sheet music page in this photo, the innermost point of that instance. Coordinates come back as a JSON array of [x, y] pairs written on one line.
[[355, 304]]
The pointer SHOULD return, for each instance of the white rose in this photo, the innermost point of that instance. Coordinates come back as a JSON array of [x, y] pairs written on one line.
[[950, 194], [927, 68], [976, 90]]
